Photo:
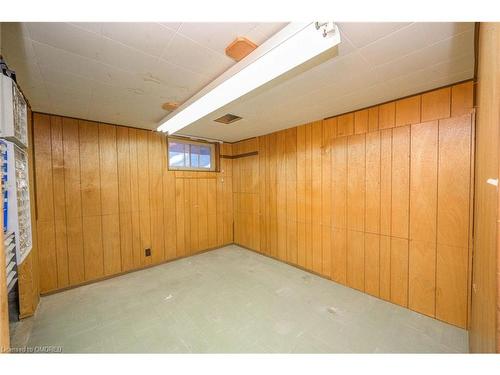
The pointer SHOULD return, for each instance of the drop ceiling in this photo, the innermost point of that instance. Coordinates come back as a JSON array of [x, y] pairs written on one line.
[[122, 73]]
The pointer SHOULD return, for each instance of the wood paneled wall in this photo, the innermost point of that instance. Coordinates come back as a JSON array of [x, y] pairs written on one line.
[[104, 195], [378, 200], [485, 313]]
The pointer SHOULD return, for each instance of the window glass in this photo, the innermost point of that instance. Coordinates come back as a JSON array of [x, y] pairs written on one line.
[[177, 154], [205, 157], [190, 155]]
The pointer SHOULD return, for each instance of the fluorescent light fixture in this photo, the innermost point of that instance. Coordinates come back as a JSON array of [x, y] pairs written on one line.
[[293, 46]]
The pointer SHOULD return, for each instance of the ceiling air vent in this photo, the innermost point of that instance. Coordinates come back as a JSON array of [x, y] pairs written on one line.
[[228, 118]]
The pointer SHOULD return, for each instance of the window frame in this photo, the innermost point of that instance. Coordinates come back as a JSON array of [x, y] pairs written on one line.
[[213, 155]]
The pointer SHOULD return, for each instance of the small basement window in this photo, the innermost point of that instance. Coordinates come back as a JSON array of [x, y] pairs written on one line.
[[190, 155]]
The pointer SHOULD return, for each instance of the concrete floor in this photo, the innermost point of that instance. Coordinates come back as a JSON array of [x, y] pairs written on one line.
[[229, 300]]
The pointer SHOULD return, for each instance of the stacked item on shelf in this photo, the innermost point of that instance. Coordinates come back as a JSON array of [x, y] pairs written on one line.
[[16, 197], [10, 260], [12, 276]]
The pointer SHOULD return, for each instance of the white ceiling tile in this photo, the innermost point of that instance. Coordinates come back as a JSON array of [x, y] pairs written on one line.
[[190, 55], [63, 79], [67, 37], [345, 47], [20, 48], [363, 33], [150, 38], [408, 39], [220, 36], [174, 82], [120, 56], [441, 51], [64, 61], [59, 93], [457, 65], [172, 25], [94, 27], [263, 31], [19, 29]]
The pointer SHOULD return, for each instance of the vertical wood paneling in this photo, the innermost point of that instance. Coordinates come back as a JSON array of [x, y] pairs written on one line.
[[191, 206], [436, 104], [109, 199], [291, 194], [170, 209], [202, 195], [372, 181], [281, 195], [355, 211], [45, 203], [326, 198], [263, 217], [73, 203], [451, 284], [454, 165], [156, 167], [59, 201], [339, 161], [408, 111], [220, 208], [423, 205], [400, 214], [361, 122], [386, 115], [339, 255], [372, 264], [308, 197], [301, 196], [399, 271], [144, 194], [355, 259], [373, 119], [273, 230], [124, 198], [211, 213], [345, 125], [339, 222], [453, 219], [423, 189], [385, 268], [356, 182], [180, 217], [385, 181], [462, 99], [91, 200], [317, 135], [137, 250], [400, 182]]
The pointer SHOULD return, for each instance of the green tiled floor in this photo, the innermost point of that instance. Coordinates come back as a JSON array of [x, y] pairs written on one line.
[[229, 300]]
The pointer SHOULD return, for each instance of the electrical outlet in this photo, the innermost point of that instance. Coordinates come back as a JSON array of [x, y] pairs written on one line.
[[147, 252]]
